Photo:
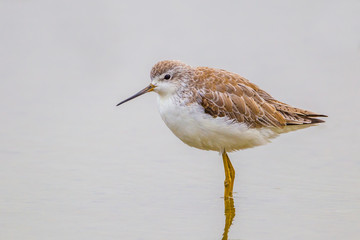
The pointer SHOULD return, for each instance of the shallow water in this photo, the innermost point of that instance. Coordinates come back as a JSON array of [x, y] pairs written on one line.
[[74, 166]]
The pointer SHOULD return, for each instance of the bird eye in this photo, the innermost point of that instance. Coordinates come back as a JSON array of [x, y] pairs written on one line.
[[167, 76]]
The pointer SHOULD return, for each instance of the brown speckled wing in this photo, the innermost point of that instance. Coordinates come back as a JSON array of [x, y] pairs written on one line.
[[222, 93]]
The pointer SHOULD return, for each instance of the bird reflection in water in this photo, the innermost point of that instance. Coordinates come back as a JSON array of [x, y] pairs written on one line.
[[229, 215]]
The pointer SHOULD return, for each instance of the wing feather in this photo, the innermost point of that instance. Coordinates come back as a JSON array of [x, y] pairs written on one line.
[[225, 94]]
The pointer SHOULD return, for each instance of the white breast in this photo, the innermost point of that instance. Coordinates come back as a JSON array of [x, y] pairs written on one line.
[[200, 130]]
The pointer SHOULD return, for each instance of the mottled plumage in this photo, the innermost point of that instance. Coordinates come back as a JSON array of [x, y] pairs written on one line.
[[225, 94], [229, 94]]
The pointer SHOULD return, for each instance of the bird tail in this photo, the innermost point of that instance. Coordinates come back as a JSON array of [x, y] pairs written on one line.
[[297, 116]]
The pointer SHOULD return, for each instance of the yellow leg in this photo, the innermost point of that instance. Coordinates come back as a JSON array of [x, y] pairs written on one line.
[[232, 174], [229, 176]]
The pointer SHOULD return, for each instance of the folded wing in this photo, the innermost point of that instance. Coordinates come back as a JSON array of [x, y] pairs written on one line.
[[228, 94]]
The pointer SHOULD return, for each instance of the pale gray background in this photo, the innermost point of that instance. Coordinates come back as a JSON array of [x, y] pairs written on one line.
[[74, 166]]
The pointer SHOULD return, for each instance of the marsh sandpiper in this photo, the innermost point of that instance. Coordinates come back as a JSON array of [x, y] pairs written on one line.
[[213, 109]]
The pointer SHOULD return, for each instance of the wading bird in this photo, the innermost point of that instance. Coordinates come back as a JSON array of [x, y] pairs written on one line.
[[213, 109]]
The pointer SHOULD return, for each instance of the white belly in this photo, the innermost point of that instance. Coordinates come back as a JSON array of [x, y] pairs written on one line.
[[200, 130]]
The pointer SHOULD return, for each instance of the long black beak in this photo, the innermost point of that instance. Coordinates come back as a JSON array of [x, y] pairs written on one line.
[[145, 90]]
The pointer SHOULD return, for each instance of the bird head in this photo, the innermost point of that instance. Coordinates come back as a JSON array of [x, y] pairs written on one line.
[[166, 77]]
